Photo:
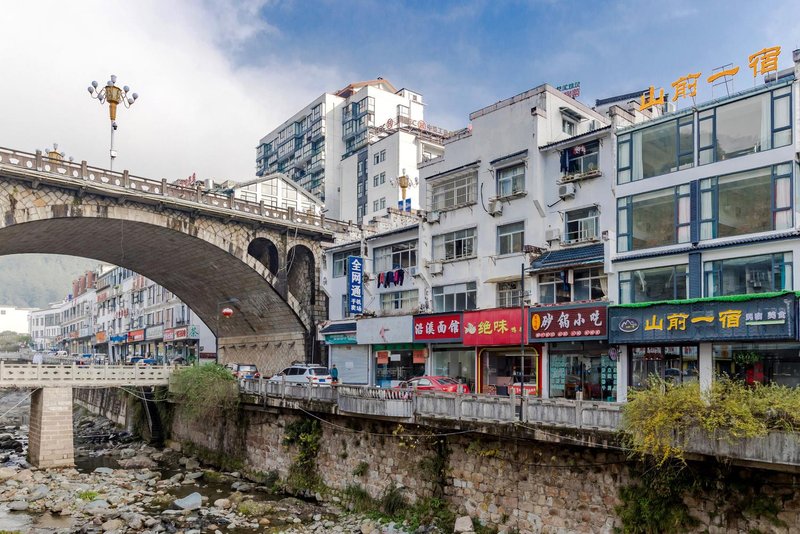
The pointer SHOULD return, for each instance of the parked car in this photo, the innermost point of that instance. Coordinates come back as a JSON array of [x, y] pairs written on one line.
[[139, 360], [246, 371], [434, 383], [302, 373]]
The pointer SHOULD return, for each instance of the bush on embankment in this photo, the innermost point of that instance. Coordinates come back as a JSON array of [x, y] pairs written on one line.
[[205, 391]]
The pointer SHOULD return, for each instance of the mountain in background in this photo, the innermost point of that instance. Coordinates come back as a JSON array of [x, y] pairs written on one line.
[[36, 280]]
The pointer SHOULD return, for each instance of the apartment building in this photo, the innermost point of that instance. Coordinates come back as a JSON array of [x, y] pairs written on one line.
[[362, 142], [45, 327]]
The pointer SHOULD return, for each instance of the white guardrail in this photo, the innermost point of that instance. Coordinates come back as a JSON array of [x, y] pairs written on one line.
[[407, 404], [82, 376]]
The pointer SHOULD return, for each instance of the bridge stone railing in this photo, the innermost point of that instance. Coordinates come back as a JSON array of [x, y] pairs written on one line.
[[39, 162], [90, 376]]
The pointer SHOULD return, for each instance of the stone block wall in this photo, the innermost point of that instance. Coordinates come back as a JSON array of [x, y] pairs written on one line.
[[111, 403], [50, 435]]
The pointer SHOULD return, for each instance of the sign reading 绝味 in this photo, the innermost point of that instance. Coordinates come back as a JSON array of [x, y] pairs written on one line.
[[493, 327]]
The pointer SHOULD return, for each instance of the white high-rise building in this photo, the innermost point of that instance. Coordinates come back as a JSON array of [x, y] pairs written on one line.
[[356, 150]]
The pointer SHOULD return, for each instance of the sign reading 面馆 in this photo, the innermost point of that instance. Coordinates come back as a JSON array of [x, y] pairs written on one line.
[[445, 327], [756, 319]]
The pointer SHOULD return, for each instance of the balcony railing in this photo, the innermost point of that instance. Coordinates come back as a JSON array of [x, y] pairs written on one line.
[[582, 167], [581, 230]]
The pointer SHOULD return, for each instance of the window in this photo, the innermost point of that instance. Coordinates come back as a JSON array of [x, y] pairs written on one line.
[[340, 262], [510, 238], [589, 284], [375, 205], [360, 187], [580, 159], [382, 202], [670, 363], [554, 287], [582, 225], [508, 294], [746, 126], [659, 149], [399, 301], [454, 192], [654, 219], [455, 297], [568, 127], [454, 245], [396, 256], [379, 179], [754, 274], [510, 180], [747, 202], [648, 285], [361, 210], [379, 157]]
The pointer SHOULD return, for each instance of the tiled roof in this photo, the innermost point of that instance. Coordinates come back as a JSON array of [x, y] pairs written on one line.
[[569, 256]]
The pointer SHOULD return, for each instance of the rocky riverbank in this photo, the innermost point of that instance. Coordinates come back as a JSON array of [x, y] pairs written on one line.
[[120, 485]]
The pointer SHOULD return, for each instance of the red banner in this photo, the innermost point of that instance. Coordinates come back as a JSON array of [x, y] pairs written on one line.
[[420, 355], [136, 335], [566, 324], [382, 357], [443, 327], [502, 326], [169, 334]]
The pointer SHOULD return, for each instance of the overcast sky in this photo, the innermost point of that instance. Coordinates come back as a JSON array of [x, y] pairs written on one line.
[[215, 76]]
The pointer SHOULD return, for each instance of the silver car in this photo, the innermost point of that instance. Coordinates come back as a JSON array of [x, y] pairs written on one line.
[[305, 374]]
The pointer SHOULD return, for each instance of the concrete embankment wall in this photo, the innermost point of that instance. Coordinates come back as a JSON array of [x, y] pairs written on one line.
[[111, 403]]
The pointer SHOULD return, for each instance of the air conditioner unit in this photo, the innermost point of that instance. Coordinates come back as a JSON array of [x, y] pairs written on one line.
[[435, 267], [432, 217], [552, 234], [566, 191], [368, 276], [413, 271], [495, 208]]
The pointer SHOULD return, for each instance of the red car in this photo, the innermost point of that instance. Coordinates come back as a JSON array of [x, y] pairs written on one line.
[[434, 383]]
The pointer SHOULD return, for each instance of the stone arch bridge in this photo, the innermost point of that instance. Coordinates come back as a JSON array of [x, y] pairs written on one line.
[[211, 250]]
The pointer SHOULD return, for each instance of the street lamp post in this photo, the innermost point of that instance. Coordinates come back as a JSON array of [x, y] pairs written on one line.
[[114, 96], [522, 272]]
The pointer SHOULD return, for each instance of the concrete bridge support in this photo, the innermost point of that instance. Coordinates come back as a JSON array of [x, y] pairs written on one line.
[[50, 437]]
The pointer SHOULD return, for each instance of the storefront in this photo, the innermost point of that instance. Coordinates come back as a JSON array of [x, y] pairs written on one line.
[[749, 337], [579, 365], [154, 335], [182, 342], [350, 359], [441, 336], [393, 358], [503, 365], [136, 345]]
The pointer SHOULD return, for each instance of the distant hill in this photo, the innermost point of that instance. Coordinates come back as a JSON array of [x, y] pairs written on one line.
[[35, 280]]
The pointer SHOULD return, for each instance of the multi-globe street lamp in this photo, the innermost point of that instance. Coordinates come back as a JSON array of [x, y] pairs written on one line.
[[114, 96]]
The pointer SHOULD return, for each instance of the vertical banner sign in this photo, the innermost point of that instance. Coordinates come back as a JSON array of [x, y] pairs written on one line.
[[355, 271]]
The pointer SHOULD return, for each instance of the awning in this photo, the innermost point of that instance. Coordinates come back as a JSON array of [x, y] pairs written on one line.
[[569, 257], [339, 328], [499, 279]]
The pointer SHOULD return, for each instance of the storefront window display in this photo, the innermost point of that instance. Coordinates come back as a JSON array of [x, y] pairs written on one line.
[[397, 363], [501, 369], [582, 367], [674, 363], [764, 363], [456, 362]]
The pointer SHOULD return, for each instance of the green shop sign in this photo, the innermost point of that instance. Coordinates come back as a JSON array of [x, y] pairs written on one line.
[[340, 339]]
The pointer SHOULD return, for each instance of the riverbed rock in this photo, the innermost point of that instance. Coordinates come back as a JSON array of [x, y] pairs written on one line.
[[222, 503], [242, 486], [103, 470], [193, 476], [6, 473], [193, 501], [192, 464], [97, 506], [463, 524], [112, 524], [137, 462], [18, 506], [39, 492]]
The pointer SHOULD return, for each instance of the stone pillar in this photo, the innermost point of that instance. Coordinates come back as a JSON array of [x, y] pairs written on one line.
[[705, 366], [50, 437]]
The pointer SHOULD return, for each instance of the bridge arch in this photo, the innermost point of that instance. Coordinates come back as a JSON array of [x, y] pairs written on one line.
[[266, 252]]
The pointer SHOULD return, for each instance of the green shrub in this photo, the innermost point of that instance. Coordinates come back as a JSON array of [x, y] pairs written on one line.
[[358, 499], [205, 391], [361, 469], [393, 501], [87, 495]]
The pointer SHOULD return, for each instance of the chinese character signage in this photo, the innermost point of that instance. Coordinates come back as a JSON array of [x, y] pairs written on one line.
[[493, 327], [762, 62], [756, 319], [355, 283], [445, 327], [568, 323], [572, 90], [136, 335], [169, 334]]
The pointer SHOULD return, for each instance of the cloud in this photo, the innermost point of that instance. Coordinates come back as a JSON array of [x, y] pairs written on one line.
[[198, 111]]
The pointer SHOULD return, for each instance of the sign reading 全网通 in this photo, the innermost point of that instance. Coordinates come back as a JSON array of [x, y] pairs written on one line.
[[762, 62], [355, 283]]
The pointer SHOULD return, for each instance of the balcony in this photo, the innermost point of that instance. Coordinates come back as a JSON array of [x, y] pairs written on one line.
[[582, 168], [581, 231]]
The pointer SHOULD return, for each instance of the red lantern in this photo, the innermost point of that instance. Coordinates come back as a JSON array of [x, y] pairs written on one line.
[[227, 312]]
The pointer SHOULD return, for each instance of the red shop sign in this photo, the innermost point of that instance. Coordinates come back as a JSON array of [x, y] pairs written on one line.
[[443, 327], [567, 324], [136, 335], [493, 327]]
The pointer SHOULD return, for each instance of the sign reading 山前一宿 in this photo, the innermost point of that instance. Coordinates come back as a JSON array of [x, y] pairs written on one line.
[[355, 283], [755, 319]]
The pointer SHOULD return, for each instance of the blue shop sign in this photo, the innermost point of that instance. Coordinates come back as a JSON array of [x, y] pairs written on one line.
[[767, 318], [355, 283]]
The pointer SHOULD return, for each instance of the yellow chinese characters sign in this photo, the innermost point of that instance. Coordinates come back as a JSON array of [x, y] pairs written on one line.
[[762, 62]]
